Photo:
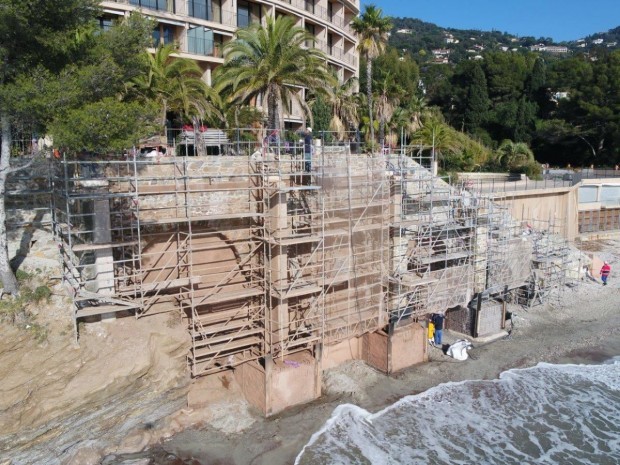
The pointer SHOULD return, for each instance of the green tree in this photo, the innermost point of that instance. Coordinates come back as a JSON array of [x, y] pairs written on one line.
[[105, 125], [31, 37], [344, 105], [372, 29], [66, 63], [388, 99], [514, 155], [474, 99], [176, 85], [271, 63], [437, 135], [321, 114]]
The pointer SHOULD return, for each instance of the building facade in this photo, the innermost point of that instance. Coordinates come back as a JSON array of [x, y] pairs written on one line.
[[201, 28]]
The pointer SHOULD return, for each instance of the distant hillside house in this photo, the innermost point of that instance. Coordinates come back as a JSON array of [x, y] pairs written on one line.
[[549, 48], [597, 41], [404, 31], [556, 49], [557, 96], [441, 52]]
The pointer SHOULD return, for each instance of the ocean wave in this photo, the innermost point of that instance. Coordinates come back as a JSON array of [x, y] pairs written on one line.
[[547, 414]]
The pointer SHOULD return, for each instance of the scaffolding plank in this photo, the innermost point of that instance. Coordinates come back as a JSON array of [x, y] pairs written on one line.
[[291, 240], [226, 339], [292, 188], [413, 281], [107, 245], [222, 316], [299, 291], [300, 341], [170, 284], [232, 345], [213, 329], [441, 257], [102, 309], [224, 216], [230, 295], [367, 227]]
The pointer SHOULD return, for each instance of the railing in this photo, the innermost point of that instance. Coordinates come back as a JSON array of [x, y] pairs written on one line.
[[200, 141], [508, 185], [203, 47]]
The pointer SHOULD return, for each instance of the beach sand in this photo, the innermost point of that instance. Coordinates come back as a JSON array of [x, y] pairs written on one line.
[[61, 405], [584, 329]]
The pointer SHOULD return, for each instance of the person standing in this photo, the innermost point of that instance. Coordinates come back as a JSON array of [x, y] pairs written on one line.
[[605, 272], [431, 330], [308, 150], [438, 321]]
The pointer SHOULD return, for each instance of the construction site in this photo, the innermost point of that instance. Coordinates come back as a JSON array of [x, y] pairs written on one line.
[[282, 267]]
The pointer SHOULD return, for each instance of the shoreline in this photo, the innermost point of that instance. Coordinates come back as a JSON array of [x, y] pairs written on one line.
[[585, 330]]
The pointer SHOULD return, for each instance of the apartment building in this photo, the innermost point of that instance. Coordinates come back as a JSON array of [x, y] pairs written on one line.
[[201, 28]]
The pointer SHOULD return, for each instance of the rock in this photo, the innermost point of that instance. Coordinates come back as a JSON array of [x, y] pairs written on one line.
[[85, 456], [136, 442]]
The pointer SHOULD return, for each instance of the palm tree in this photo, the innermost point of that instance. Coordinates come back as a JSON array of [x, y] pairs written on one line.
[[344, 104], [176, 85], [438, 135], [272, 62], [387, 100], [372, 29], [514, 155]]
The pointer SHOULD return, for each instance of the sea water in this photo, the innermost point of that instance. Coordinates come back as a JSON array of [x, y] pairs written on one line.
[[549, 414]]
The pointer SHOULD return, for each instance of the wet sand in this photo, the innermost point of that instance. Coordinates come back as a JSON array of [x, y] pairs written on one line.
[[585, 329]]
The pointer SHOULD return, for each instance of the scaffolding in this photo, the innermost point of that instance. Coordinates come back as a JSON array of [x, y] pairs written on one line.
[[271, 254], [262, 255], [432, 240]]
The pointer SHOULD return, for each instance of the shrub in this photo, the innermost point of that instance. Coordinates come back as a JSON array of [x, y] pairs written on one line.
[[41, 293]]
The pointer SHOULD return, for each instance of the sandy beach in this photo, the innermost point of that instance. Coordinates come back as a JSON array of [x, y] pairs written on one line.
[[585, 329], [58, 406]]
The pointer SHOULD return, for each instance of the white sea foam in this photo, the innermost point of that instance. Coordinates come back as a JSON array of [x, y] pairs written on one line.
[[549, 414]]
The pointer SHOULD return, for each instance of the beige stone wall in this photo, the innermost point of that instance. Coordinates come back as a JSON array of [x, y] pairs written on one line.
[[548, 205]]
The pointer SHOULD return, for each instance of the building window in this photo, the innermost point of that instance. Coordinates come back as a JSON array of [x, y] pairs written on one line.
[[330, 43], [163, 34], [202, 41], [310, 6], [105, 24], [248, 13], [162, 5], [210, 10], [330, 11], [310, 30]]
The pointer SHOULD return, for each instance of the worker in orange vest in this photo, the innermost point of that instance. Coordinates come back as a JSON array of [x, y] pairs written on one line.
[[605, 271]]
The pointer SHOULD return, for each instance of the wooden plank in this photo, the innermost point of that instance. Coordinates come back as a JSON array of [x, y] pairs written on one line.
[[192, 187], [170, 284], [441, 257], [228, 296], [292, 240], [228, 326], [299, 291], [222, 316], [107, 245], [101, 309], [227, 338], [224, 216], [233, 345]]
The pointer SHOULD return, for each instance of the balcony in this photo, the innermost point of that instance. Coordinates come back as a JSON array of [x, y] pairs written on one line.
[[203, 47]]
